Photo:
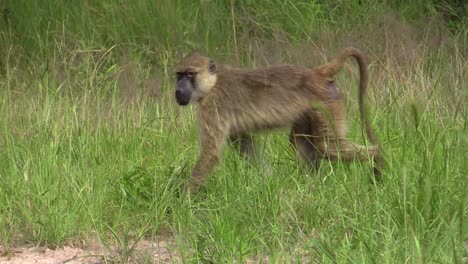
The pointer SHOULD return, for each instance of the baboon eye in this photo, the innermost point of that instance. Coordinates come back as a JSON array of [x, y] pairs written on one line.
[[190, 74], [179, 75]]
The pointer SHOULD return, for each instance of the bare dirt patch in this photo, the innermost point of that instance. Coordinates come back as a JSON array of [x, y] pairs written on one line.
[[144, 252]]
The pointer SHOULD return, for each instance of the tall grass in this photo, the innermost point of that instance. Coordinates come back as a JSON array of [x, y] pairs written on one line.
[[92, 147]]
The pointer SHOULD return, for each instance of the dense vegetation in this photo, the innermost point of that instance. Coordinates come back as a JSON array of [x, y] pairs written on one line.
[[94, 149]]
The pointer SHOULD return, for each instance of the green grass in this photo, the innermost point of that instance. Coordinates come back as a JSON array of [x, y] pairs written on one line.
[[94, 148]]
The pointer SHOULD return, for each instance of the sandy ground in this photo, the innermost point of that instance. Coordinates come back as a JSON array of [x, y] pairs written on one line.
[[145, 251]]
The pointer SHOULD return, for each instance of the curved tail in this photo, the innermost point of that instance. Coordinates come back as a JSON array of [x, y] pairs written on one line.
[[331, 68]]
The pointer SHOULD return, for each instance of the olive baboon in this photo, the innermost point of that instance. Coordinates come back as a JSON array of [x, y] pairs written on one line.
[[234, 102]]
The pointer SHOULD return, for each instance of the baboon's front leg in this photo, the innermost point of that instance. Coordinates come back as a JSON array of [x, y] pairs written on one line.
[[248, 149], [245, 145], [211, 142]]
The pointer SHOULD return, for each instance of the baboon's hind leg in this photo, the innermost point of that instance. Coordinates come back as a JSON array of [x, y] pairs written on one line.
[[332, 143], [320, 134], [302, 136], [344, 150]]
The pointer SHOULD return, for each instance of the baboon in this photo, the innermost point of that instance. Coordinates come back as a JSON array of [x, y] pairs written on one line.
[[234, 102]]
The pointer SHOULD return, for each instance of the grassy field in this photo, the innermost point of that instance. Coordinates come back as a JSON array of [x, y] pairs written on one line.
[[93, 147]]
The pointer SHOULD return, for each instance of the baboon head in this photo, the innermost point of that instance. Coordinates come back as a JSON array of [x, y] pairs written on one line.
[[195, 76]]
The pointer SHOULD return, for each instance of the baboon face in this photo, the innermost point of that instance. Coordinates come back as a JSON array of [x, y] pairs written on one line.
[[195, 76], [184, 87]]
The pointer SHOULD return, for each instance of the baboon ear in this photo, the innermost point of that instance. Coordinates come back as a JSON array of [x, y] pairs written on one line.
[[212, 67]]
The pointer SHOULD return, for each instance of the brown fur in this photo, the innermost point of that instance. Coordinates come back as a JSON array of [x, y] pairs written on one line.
[[235, 102]]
